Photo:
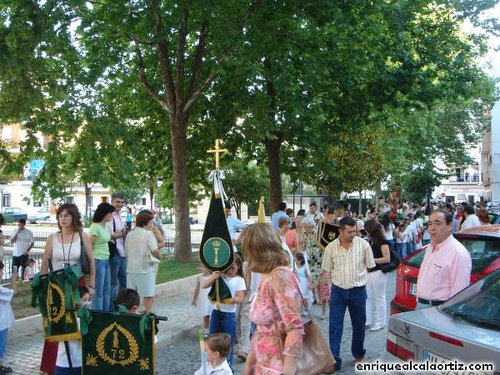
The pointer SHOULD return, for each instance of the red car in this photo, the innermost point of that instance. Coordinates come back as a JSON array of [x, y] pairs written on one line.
[[483, 244]]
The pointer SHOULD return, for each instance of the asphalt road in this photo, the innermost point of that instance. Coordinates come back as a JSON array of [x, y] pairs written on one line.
[[183, 357]]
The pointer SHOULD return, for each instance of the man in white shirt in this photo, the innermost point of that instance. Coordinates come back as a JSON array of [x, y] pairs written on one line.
[[471, 220], [314, 213], [348, 259], [117, 261], [22, 239]]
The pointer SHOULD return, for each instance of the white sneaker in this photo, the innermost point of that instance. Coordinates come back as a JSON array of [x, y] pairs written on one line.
[[377, 327]]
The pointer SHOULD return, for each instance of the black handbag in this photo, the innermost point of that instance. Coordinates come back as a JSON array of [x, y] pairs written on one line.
[[84, 259], [393, 263], [113, 250]]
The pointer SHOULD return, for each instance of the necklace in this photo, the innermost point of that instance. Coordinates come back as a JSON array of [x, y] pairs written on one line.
[[66, 262]]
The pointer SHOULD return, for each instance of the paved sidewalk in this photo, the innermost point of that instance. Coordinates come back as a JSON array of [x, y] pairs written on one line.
[[177, 349], [24, 353]]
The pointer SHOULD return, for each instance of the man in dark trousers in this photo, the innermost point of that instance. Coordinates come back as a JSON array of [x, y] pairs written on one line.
[[348, 259]]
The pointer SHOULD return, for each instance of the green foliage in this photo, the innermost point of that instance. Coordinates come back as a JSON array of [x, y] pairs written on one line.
[[420, 182], [245, 183], [339, 95]]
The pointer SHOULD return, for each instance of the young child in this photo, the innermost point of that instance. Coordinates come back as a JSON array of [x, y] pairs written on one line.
[[73, 349], [200, 299], [217, 347], [6, 315], [223, 318], [325, 288], [243, 327], [29, 272], [302, 272], [127, 300], [128, 219]]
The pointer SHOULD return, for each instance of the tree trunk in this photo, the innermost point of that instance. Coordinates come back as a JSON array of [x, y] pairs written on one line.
[[360, 205], [178, 126], [237, 206], [378, 193], [151, 195], [273, 156], [88, 192]]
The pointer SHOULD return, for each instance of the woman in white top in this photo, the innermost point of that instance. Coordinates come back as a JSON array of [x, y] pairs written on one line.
[[402, 235], [389, 227], [140, 248], [283, 223], [63, 248]]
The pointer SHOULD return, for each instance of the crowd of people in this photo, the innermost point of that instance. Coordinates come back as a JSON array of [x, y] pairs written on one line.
[[279, 270], [285, 263], [121, 257]]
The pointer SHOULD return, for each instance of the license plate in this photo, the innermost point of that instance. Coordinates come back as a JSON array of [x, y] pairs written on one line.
[[413, 289], [434, 358]]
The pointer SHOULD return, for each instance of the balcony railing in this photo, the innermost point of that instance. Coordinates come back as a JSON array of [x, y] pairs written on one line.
[[464, 179]]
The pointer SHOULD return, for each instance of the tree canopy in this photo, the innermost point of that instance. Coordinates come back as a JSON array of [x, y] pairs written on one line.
[[341, 95]]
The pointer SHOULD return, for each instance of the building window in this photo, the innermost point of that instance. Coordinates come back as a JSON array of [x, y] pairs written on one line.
[[70, 199], [6, 200], [104, 199], [141, 202], [7, 133]]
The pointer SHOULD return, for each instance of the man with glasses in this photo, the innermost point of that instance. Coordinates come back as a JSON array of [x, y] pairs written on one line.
[[117, 261]]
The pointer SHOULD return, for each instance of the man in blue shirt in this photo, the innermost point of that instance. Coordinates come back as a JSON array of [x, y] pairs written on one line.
[[278, 215], [233, 224]]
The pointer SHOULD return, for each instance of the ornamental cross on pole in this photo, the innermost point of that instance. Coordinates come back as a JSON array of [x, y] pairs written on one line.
[[217, 151]]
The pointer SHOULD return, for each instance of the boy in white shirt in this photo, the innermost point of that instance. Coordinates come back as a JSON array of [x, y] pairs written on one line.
[[217, 347], [6, 315]]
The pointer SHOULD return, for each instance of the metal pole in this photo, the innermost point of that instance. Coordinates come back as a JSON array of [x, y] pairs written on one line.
[[300, 192]]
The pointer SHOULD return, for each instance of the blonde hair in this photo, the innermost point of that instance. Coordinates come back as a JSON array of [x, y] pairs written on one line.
[[262, 248]]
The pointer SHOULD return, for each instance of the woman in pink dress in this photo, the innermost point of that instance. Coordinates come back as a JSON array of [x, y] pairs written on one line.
[[276, 307]]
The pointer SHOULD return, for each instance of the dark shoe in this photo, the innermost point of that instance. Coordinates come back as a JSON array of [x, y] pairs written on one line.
[[5, 369], [242, 356]]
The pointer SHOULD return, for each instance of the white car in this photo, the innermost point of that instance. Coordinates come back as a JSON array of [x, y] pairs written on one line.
[[465, 329], [42, 215]]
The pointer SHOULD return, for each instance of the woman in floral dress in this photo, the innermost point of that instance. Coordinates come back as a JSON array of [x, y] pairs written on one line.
[[313, 255], [276, 307]]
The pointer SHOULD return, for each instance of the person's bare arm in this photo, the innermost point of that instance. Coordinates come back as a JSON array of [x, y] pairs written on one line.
[[47, 254]]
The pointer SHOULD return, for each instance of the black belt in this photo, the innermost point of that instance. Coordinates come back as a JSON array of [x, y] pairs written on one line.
[[431, 303]]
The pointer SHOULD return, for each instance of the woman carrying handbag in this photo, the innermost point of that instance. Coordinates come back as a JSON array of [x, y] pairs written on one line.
[[277, 344]]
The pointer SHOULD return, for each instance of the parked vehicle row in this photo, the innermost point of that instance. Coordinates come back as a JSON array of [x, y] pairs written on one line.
[[484, 246], [13, 214], [466, 328]]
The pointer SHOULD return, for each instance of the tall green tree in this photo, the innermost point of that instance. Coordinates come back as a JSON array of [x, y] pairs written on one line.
[[245, 182]]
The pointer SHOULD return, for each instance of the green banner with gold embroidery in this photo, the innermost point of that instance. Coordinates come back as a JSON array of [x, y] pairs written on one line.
[[117, 343], [56, 294]]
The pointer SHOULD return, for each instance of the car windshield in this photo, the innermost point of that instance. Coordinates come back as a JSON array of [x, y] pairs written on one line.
[[479, 304], [482, 251], [416, 259]]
